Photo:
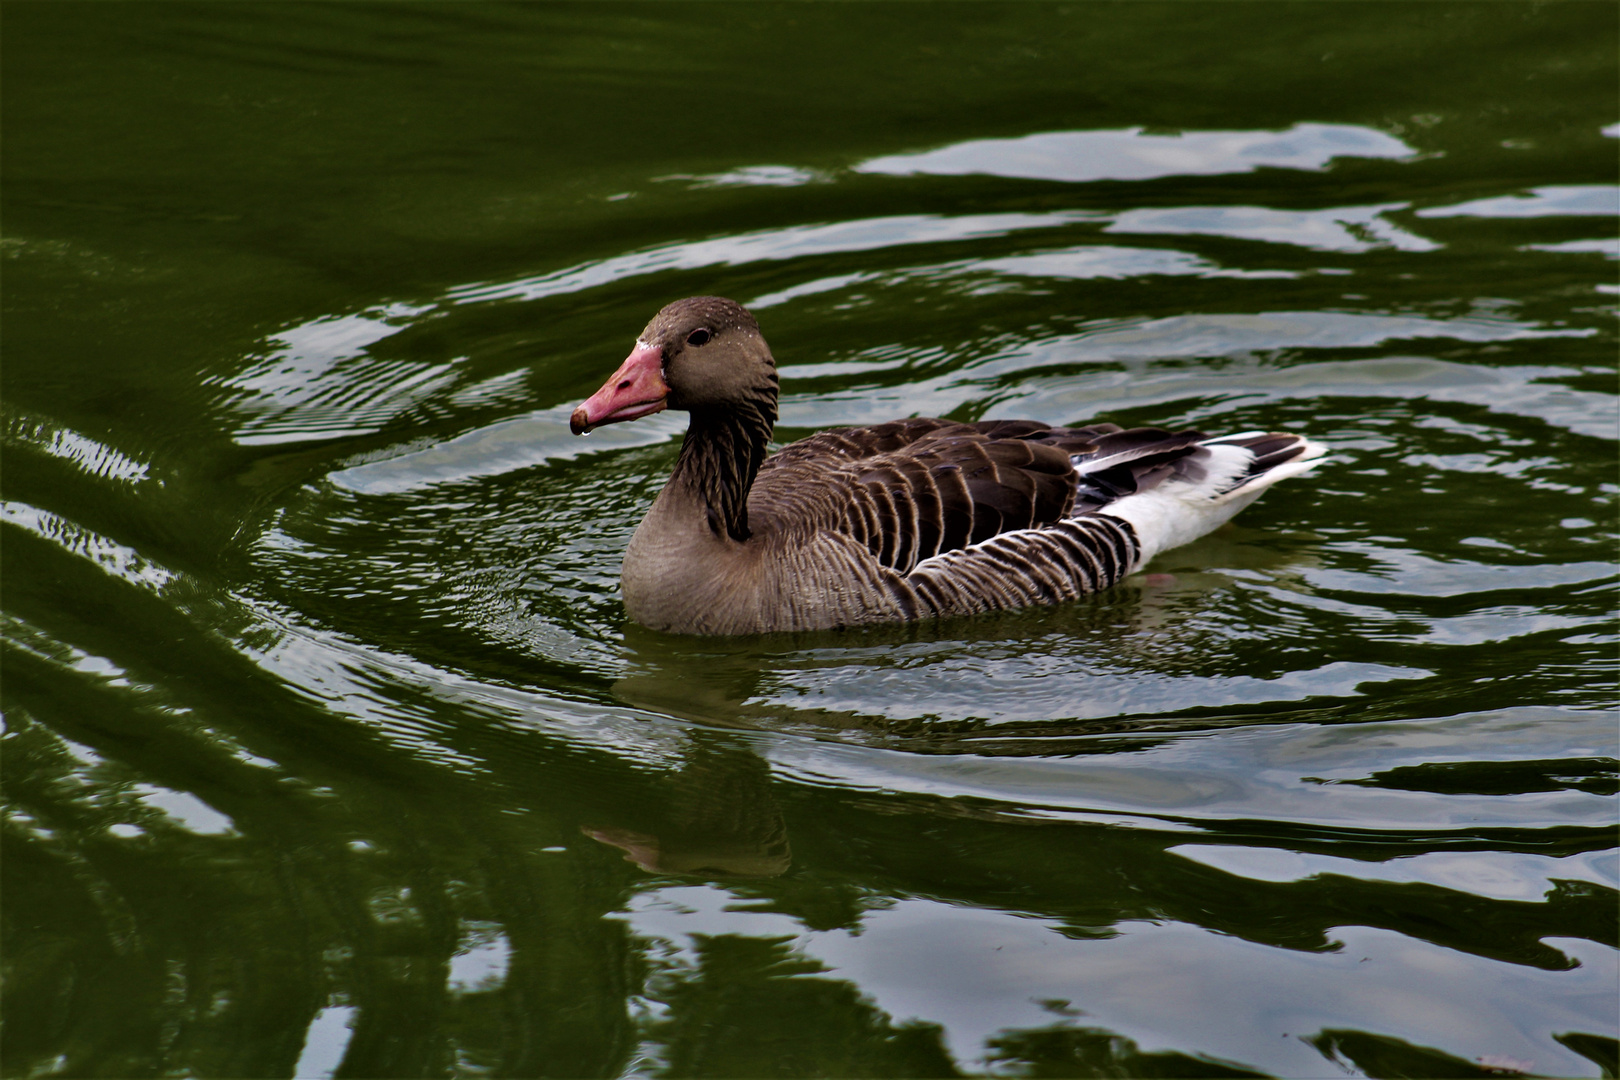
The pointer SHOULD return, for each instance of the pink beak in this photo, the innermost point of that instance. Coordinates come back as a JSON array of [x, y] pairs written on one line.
[[637, 389]]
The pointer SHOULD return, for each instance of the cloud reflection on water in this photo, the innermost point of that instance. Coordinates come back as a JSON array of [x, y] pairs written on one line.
[[1136, 154]]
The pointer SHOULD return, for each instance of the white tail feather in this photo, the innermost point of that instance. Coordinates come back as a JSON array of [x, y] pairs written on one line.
[[1178, 511]]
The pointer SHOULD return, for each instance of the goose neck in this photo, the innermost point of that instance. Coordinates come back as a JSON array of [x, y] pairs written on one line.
[[719, 459]]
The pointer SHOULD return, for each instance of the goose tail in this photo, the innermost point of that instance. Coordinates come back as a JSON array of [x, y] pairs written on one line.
[[1182, 499]]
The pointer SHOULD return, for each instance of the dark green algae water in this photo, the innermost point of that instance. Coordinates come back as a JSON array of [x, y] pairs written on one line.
[[328, 750]]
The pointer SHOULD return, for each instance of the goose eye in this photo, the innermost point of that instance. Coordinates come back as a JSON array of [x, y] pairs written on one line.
[[698, 337]]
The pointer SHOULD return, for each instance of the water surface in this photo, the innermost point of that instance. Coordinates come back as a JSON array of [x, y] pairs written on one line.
[[328, 748]]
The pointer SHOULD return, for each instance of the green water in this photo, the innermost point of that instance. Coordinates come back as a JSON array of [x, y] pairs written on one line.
[[328, 751]]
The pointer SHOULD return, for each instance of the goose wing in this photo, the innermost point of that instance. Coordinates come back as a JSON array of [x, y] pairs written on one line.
[[913, 489]]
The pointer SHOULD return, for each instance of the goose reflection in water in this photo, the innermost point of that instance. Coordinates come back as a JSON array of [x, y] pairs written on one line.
[[719, 818]]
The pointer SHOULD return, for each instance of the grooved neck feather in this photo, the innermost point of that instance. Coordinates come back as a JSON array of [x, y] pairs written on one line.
[[721, 455]]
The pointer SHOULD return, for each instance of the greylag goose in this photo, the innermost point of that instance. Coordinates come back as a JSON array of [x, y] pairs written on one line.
[[907, 520]]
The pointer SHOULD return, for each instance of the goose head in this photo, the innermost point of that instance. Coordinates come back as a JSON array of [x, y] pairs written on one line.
[[701, 354]]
